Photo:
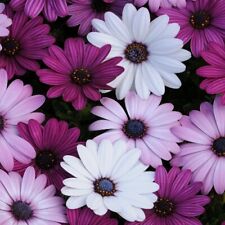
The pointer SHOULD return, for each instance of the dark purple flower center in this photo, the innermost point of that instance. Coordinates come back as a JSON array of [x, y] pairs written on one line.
[[46, 160], [164, 207], [100, 6], [2, 123], [104, 187], [134, 129], [21, 210], [81, 76], [10, 46], [219, 146], [200, 20], [136, 52]]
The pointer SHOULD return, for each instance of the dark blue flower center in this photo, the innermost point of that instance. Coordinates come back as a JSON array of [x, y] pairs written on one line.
[[104, 187], [81, 76], [134, 129], [100, 6], [21, 210], [164, 207], [46, 160], [136, 52], [10, 46], [2, 123], [200, 20], [219, 146]]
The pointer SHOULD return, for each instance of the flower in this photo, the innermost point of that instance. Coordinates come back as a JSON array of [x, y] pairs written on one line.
[[214, 73], [5, 23], [27, 200], [204, 154], [178, 202], [27, 42], [51, 142], [78, 72], [146, 127], [201, 22], [151, 54], [32, 8], [85, 216], [83, 11], [16, 105], [109, 177]]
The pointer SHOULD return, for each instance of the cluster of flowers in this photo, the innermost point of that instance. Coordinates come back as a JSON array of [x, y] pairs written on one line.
[[48, 176]]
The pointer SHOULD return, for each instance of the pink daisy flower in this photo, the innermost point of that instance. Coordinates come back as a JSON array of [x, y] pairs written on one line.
[[50, 8], [27, 200], [204, 154], [145, 124], [85, 216], [178, 202], [83, 11], [78, 72], [201, 22], [27, 42], [16, 105], [51, 142], [214, 73]]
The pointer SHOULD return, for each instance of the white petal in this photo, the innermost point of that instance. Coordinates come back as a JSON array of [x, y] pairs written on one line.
[[76, 202], [94, 201]]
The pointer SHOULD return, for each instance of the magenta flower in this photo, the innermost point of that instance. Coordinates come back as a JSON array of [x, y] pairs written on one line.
[[27, 200], [178, 202], [27, 43], [204, 155], [78, 72], [83, 11], [51, 8], [51, 142], [201, 22], [147, 126], [85, 216], [16, 105], [214, 73]]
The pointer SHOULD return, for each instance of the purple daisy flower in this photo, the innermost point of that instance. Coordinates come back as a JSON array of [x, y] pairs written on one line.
[[83, 11], [27, 42], [204, 154], [51, 142], [79, 71], [201, 22], [214, 73], [147, 126], [51, 8], [85, 216], [178, 202]]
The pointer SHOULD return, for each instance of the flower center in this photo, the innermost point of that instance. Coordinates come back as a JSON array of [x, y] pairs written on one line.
[[21, 210], [200, 20], [105, 187], [163, 207], [2, 123], [10, 46], [134, 129], [81, 76], [46, 160], [100, 6], [219, 146], [136, 52]]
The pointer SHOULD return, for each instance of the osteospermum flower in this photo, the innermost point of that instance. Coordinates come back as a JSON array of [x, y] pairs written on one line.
[[83, 11], [86, 216], [205, 152], [32, 8], [16, 105], [201, 22], [78, 72], [27, 200], [151, 53], [145, 124], [178, 202], [214, 73], [51, 142], [27, 42], [4, 24], [109, 177]]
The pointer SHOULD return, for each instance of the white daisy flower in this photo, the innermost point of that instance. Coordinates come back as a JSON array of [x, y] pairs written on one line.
[[151, 54], [108, 177]]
